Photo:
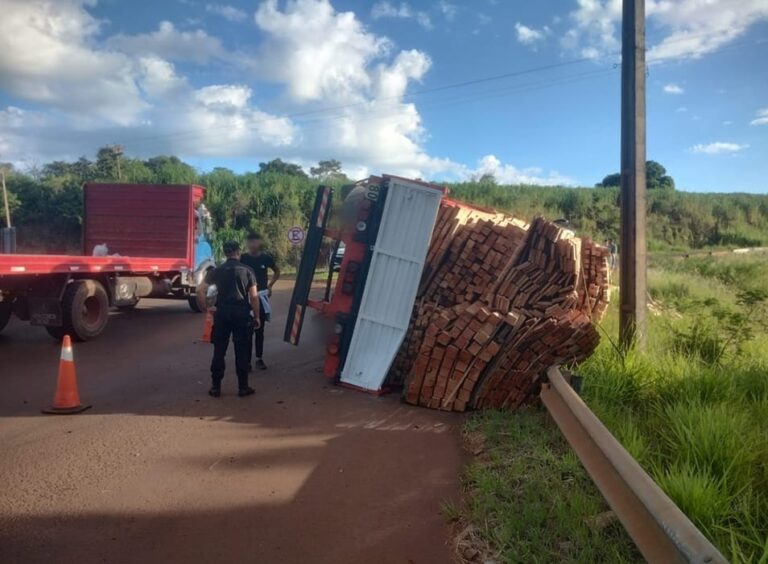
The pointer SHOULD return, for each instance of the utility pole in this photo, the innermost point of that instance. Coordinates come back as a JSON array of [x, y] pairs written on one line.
[[632, 263], [117, 151], [5, 200]]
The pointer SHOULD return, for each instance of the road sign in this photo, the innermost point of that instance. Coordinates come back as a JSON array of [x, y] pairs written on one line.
[[296, 236]]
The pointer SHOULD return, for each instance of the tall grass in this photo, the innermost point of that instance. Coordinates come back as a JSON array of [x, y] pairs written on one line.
[[697, 421]]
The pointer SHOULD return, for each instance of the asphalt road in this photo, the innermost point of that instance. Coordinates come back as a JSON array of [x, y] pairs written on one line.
[[158, 471]]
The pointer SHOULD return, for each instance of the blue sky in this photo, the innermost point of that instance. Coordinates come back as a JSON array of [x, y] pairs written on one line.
[[409, 88]]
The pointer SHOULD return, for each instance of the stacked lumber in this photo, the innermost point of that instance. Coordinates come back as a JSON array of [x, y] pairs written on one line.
[[499, 302]]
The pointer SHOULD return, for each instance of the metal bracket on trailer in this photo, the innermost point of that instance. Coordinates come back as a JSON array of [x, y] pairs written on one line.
[[306, 273]]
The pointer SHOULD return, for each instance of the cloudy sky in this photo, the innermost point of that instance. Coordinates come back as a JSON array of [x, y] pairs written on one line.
[[439, 89]]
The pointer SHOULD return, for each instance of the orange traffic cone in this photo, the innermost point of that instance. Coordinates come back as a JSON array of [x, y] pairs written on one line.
[[208, 327], [67, 399]]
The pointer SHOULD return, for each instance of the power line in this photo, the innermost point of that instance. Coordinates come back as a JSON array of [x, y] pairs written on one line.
[[441, 88], [381, 113], [297, 116]]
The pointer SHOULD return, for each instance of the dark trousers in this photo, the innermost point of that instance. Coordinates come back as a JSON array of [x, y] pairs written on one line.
[[258, 335], [235, 323]]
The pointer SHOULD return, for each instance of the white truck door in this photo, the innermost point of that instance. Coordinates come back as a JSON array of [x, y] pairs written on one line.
[[398, 258]]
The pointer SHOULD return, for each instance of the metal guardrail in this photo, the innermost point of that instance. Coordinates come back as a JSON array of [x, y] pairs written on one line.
[[660, 530]]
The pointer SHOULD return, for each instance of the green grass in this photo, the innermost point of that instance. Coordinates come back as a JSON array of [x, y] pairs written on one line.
[[738, 271], [530, 497], [693, 410], [695, 420]]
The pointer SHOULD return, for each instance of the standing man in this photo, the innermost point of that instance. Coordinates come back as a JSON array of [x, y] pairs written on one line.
[[260, 262], [237, 299]]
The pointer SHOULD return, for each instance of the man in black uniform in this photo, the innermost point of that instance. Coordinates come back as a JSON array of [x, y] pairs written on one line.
[[237, 297], [260, 262]]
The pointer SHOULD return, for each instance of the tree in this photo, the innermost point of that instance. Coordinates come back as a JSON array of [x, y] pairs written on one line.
[[171, 170], [108, 163], [656, 178], [487, 178], [278, 166], [83, 169], [610, 181], [327, 170]]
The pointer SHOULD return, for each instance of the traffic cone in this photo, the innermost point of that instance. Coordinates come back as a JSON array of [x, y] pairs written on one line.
[[67, 399], [207, 327]]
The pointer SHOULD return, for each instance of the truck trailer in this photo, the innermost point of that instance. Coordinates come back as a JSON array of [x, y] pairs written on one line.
[[138, 241], [461, 307]]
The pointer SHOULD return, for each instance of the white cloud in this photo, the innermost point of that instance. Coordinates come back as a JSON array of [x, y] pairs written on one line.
[[226, 11], [172, 44], [46, 57], [355, 73], [673, 89], [447, 9], [761, 118], [690, 28], [594, 28], [528, 35], [508, 174], [158, 78], [385, 9], [317, 53], [131, 92], [717, 148], [681, 110]]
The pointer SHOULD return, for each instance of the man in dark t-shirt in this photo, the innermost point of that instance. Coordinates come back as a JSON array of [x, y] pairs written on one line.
[[261, 263], [237, 313]]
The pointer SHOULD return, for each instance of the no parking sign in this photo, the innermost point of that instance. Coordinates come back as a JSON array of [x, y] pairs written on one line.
[[296, 236]]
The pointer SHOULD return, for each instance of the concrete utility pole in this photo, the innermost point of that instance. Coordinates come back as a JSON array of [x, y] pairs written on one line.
[[117, 151], [5, 200], [632, 254]]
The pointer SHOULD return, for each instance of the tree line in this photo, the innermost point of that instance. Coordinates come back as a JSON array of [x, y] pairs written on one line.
[[46, 202]]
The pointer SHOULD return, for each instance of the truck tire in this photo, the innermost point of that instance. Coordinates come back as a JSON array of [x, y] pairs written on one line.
[[125, 307], [86, 310], [193, 305], [5, 315], [58, 332]]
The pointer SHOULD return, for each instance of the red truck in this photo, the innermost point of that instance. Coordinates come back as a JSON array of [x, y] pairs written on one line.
[[139, 241]]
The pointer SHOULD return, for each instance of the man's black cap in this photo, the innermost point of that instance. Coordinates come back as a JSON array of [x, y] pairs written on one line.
[[231, 247]]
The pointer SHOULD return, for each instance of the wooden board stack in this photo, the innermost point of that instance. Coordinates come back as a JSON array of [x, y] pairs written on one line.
[[499, 302]]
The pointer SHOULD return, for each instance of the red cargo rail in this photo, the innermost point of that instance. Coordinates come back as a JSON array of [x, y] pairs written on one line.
[[152, 238], [65, 264]]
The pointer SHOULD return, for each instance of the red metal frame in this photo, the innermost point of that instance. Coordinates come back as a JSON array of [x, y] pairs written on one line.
[[66, 264], [69, 264]]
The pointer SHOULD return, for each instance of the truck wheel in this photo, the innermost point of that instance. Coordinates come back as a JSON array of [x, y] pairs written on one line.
[[86, 309], [196, 303], [58, 332], [125, 307], [5, 315]]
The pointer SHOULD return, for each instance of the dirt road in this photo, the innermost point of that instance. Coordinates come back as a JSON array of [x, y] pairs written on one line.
[[158, 471]]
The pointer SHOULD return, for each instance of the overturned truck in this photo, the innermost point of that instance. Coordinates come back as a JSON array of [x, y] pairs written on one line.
[[458, 306]]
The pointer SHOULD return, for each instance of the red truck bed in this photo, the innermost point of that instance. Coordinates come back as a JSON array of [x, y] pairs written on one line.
[[150, 227]]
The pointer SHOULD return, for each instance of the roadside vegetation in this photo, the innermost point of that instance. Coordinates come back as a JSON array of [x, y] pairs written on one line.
[[693, 410], [528, 499], [46, 203]]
